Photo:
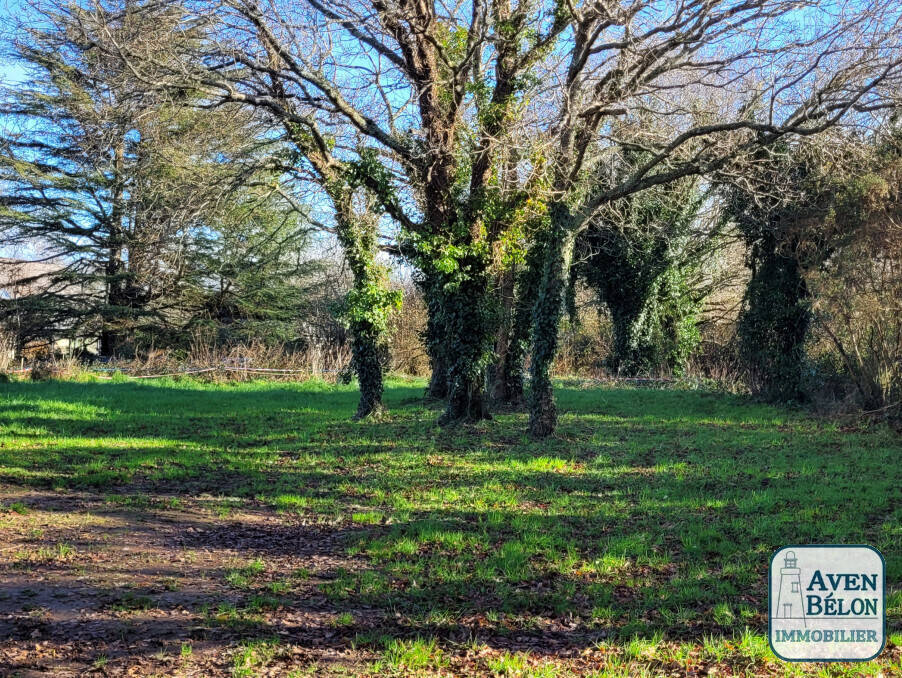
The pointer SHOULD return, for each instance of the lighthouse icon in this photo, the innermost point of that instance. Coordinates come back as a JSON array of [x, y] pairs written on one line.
[[790, 604]]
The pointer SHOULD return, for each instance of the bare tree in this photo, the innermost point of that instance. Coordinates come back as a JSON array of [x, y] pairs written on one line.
[[694, 85], [411, 100], [420, 99]]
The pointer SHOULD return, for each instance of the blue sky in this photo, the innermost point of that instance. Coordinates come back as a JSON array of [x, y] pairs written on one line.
[[10, 10], [10, 73]]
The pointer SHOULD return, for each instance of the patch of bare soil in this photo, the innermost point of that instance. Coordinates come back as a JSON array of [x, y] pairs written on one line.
[[152, 585], [93, 587]]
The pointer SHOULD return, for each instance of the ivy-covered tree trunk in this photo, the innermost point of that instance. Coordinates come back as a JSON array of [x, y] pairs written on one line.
[[367, 306], [367, 356], [505, 283], [435, 337], [547, 313], [636, 256], [437, 389], [369, 303], [468, 320], [509, 386], [774, 324], [367, 332], [787, 233]]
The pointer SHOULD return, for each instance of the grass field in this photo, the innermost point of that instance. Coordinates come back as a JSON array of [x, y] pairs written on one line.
[[178, 528]]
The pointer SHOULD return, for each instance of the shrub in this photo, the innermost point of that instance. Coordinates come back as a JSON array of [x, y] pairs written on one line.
[[858, 312]]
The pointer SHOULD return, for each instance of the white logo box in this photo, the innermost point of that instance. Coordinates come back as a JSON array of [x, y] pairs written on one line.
[[827, 602]]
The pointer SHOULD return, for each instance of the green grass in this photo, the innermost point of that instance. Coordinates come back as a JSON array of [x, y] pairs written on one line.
[[252, 655], [413, 655], [651, 514], [16, 507]]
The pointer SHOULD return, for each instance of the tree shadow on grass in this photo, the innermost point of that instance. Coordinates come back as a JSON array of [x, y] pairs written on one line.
[[651, 511]]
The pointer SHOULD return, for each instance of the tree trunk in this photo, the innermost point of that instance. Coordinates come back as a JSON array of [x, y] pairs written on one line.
[[116, 302], [503, 337], [115, 267], [108, 342], [634, 351], [466, 400], [438, 380], [547, 314], [773, 326], [368, 303], [509, 392], [435, 337], [367, 350], [509, 386], [367, 325], [468, 319]]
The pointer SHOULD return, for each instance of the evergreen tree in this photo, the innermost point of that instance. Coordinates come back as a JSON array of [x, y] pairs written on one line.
[[109, 177]]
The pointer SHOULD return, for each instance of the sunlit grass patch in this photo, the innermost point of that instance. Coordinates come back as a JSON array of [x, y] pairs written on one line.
[[648, 522], [522, 665], [367, 517], [508, 664], [292, 502], [343, 619], [511, 560], [754, 646], [413, 655], [367, 584], [59, 552], [547, 464], [253, 655], [263, 603], [242, 577]]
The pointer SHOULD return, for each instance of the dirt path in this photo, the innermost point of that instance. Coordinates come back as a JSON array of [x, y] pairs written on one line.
[[163, 586]]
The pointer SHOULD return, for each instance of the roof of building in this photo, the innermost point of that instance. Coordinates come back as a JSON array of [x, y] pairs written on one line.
[[20, 277]]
